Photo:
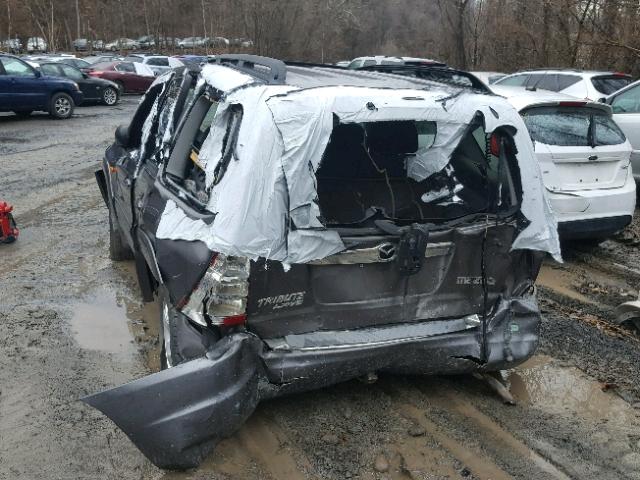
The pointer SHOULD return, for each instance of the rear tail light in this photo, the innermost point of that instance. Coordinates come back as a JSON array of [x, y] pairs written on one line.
[[221, 296], [494, 145]]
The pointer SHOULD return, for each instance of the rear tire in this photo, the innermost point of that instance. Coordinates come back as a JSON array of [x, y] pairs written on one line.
[[109, 96], [118, 249], [61, 106]]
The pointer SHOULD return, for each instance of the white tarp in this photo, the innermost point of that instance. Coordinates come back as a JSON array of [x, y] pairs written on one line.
[[266, 204]]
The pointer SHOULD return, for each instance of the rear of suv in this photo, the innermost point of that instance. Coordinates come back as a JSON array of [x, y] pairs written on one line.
[[305, 225], [577, 83]]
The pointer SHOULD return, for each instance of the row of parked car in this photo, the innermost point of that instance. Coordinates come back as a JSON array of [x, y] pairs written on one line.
[[146, 42]]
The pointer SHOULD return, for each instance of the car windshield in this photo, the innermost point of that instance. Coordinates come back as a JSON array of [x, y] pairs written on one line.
[[609, 84], [572, 126]]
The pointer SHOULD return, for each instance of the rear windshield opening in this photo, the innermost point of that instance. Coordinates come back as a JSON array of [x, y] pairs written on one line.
[[572, 126], [611, 83], [363, 176]]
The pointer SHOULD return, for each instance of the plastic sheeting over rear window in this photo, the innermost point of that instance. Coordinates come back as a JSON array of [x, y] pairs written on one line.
[[266, 204]]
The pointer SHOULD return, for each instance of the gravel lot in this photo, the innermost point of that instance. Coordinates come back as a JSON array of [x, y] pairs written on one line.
[[72, 323]]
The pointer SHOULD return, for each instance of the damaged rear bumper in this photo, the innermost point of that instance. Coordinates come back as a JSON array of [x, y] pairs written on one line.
[[176, 417]]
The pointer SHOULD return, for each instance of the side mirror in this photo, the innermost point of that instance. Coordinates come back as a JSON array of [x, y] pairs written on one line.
[[122, 136], [85, 75], [37, 72], [602, 100]]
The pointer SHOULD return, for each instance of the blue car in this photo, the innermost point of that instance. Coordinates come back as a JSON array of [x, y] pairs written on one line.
[[23, 89]]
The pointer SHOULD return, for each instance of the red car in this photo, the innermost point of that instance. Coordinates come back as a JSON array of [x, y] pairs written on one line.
[[130, 77]]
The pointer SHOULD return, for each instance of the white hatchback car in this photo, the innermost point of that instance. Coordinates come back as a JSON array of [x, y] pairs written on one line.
[[584, 158], [626, 113], [592, 85]]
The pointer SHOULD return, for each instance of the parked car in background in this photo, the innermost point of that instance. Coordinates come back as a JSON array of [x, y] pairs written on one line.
[[192, 42], [336, 249], [343, 63], [36, 60], [122, 44], [584, 158], [591, 85], [104, 57], [241, 42], [626, 113], [219, 42], [489, 77], [146, 41], [36, 44], [361, 62], [93, 89], [157, 63], [81, 45], [24, 89], [97, 45], [11, 45], [129, 76]]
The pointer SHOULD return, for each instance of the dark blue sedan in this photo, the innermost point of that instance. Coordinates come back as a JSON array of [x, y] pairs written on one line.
[[23, 89]]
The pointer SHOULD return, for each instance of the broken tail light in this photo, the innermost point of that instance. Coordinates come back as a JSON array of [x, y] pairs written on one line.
[[221, 296]]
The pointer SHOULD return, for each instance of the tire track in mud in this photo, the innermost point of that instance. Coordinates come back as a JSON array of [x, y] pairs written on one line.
[[420, 403]]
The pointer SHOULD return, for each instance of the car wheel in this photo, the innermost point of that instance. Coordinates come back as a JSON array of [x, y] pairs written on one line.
[[118, 248], [179, 338], [61, 106], [23, 113], [110, 96]]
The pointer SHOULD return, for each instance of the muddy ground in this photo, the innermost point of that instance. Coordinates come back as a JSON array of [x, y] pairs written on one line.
[[72, 323]]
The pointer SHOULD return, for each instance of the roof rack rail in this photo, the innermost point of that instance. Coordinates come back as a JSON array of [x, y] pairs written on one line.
[[436, 73], [270, 70], [294, 63]]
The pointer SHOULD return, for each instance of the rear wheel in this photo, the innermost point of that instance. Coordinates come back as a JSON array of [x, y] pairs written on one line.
[[109, 96], [61, 106]]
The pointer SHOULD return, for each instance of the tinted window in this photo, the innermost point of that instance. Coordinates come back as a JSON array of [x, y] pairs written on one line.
[[534, 80], [49, 69], [628, 101], [565, 81], [608, 85], [71, 72], [160, 61], [368, 63], [17, 68], [547, 82], [571, 126], [514, 81]]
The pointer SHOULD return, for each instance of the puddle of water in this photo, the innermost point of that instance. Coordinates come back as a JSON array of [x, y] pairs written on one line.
[[560, 281], [115, 324], [543, 383]]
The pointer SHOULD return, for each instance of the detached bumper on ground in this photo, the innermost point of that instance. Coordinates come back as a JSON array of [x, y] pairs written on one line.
[[177, 416]]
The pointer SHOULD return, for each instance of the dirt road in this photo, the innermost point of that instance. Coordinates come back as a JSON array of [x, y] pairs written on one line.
[[72, 323]]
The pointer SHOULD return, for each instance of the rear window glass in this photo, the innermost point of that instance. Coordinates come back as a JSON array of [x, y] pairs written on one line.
[[565, 81], [610, 84], [571, 126], [365, 176]]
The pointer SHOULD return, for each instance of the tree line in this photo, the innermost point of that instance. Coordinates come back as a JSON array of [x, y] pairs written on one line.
[[501, 35]]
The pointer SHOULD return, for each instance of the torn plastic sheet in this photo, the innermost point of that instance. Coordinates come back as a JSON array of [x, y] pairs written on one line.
[[266, 204]]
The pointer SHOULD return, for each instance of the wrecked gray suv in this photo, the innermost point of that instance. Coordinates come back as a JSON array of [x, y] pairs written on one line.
[[303, 225]]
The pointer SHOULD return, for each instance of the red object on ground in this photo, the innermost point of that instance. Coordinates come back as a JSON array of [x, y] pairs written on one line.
[[8, 230]]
